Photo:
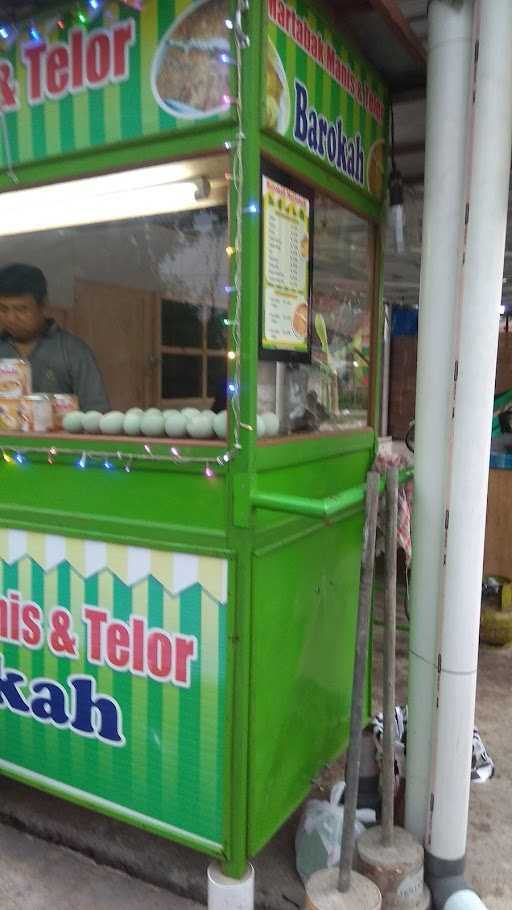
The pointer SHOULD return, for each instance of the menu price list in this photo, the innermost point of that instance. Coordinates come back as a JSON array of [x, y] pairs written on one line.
[[286, 251]]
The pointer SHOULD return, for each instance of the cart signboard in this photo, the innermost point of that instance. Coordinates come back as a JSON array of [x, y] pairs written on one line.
[[322, 98], [118, 75], [112, 679]]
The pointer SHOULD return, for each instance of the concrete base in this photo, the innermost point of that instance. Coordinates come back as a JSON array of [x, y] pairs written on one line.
[[397, 870], [322, 892], [230, 893]]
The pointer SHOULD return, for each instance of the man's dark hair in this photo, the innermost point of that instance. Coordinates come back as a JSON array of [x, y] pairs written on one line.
[[17, 279]]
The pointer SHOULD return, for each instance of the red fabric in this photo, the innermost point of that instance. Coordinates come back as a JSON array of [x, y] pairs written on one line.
[[399, 459]]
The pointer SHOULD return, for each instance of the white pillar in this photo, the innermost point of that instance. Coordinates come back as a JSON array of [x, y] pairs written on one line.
[[475, 350], [449, 68]]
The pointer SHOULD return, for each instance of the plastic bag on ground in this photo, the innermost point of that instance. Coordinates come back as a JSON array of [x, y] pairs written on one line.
[[318, 838]]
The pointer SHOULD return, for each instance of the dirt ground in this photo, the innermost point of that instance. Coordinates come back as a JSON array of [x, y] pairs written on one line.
[[489, 859]]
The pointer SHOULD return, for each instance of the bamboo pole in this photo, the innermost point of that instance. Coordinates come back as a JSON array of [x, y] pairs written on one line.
[[363, 624], [388, 767]]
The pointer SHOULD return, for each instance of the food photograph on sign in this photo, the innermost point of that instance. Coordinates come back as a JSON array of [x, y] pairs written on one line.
[[190, 76], [278, 93]]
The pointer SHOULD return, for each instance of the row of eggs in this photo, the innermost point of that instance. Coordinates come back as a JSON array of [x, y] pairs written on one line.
[[153, 422]]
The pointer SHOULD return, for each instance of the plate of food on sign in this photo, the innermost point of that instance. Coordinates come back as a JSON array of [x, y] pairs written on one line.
[[277, 102], [192, 65]]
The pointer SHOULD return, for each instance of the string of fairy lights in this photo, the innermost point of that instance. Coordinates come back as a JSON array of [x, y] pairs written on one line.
[[82, 14], [57, 19]]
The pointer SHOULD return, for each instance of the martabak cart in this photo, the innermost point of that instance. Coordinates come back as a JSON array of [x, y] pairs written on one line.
[[177, 616]]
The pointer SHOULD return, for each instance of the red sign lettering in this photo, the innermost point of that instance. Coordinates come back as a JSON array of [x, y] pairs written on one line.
[[57, 71], [89, 60], [124, 38], [77, 60], [98, 59], [32, 56], [8, 87]]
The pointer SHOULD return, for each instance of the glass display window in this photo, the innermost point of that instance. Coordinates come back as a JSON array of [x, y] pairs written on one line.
[[328, 388], [113, 304]]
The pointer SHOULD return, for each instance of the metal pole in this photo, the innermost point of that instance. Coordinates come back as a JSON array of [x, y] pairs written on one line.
[[361, 652], [388, 767], [448, 82]]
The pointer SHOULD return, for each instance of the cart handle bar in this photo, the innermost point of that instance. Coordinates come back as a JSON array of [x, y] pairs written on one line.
[[328, 507]]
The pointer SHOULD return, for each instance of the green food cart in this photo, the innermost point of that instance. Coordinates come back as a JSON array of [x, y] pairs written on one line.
[[202, 184]]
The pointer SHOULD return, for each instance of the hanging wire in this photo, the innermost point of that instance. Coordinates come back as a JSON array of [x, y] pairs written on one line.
[[6, 142], [89, 457], [238, 181]]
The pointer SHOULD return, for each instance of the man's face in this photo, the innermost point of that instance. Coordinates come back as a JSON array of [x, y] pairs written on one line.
[[21, 317]]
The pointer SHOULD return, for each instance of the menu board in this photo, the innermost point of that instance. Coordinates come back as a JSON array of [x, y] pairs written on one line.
[[286, 279]]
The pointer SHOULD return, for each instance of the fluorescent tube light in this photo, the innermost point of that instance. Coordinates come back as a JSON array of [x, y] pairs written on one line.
[[132, 194]]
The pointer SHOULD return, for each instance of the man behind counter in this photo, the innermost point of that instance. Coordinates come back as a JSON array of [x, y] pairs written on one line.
[[61, 363]]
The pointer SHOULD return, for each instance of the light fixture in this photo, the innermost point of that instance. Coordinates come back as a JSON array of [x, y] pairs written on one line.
[[156, 190], [396, 194], [203, 188], [396, 208]]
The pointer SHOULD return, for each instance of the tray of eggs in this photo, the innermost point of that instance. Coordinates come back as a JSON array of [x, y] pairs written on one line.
[[155, 423]]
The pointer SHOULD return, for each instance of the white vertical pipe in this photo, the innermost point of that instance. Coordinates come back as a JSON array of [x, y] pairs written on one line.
[[464, 900], [475, 349], [449, 68]]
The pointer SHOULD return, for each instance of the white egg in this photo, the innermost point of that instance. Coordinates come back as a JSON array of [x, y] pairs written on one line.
[[170, 412], [271, 422], [210, 417], [131, 423], [72, 422], [134, 411], [175, 424], [112, 423], [91, 421], [152, 425], [220, 424], [260, 427], [188, 413], [199, 427]]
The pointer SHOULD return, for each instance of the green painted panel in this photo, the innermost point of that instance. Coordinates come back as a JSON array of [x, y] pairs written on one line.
[[295, 449], [162, 503], [112, 670], [303, 633]]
